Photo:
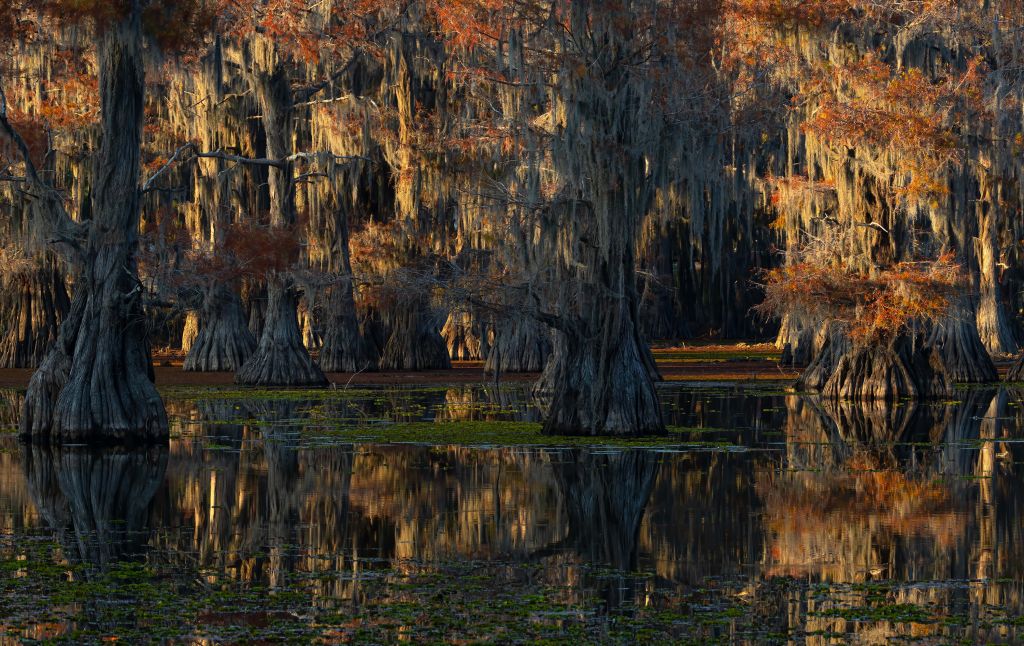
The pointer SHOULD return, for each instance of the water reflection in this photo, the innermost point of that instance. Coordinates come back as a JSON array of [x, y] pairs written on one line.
[[96, 502], [832, 497]]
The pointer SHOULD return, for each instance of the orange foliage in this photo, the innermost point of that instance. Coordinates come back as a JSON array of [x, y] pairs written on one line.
[[868, 105], [300, 31], [874, 308]]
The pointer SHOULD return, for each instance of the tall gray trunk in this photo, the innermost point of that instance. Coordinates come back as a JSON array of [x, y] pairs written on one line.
[[281, 358], [109, 393]]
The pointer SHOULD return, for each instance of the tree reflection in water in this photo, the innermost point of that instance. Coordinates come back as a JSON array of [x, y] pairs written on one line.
[[97, 502], [923, 499]]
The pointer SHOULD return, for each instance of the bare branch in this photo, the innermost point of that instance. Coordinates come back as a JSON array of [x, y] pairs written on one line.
[[178, 154], [19, 142]]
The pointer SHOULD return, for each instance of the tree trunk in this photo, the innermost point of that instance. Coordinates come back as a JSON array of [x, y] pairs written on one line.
[[964, 356], [994, 325], [109, 394], [521, 344], [1016, 373], [33, 305], [190, 331], [344, 348], [224, 342], [797, 344], [889, 373], [280, 358], [599, 379], [832, 344], [49, 379], [415, 342], [463, 337]]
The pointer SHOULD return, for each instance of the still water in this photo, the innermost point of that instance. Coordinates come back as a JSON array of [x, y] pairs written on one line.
[[765, 517]]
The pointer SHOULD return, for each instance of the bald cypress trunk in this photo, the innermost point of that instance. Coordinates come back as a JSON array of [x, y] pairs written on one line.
[[611, 150], [415, 342], [599, 379], [1016, 373], [889, 372], [521, 344], [994, 325], [464, 336], [281, 358], [344, 348], [109, 393], [224, 342], [32, 306], [964, 356]]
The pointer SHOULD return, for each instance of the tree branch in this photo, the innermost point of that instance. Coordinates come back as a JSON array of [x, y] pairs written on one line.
[[178, 154], [19, 142]]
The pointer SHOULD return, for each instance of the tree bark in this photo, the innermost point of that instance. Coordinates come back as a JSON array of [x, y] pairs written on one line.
[[33, 305], [1016, 373], [796, 342], [832, 344], [281, 358], [599, 379], [109, 394], [344, 348], [964, 356], [190, 331], [521, 344], [224, 342], [897, 370], [415, 342], [463, 336], [994, 325]]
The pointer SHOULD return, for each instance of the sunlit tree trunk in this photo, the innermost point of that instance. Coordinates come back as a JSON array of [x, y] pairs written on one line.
[[221, 339], [994, 325]]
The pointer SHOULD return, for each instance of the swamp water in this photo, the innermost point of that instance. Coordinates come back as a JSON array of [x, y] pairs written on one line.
[[441, 515]]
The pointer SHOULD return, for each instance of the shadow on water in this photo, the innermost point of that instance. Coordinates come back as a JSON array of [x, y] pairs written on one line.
[[805, 520]]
